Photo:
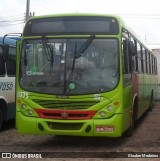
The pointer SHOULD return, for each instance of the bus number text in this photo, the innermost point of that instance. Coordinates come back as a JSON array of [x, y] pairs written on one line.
[[4, 86], [22, 94]]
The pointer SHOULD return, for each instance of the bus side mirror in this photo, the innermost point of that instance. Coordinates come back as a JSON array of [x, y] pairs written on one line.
[[5, 52], [132, 48]]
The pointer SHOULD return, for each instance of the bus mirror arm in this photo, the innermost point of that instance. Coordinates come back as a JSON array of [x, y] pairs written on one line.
[[5, 52], [132, 48]]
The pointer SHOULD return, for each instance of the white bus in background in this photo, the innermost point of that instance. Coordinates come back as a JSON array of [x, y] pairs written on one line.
[[7, 79]]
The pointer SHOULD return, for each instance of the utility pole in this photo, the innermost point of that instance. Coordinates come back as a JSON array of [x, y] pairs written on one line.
[[27, 10]]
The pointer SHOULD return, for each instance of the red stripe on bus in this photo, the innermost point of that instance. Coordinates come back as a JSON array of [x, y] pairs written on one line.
[[65, 114]]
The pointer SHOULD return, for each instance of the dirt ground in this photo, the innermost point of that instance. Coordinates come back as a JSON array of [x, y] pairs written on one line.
[[145, 141]]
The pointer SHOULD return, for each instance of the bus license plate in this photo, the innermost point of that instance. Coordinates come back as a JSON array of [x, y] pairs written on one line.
[[104, 128]]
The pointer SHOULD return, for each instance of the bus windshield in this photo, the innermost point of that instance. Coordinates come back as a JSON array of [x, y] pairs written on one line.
[[57, 66]]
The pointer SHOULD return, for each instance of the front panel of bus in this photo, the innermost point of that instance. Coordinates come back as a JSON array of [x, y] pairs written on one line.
[[69, 77]]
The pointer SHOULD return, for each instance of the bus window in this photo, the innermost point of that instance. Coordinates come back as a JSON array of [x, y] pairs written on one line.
[[40, 58], [147, 61], [144, 61], [125, 56], [2, 64], [11, 62], [152, 64], [139, 58], [155, 65], [126, 62]]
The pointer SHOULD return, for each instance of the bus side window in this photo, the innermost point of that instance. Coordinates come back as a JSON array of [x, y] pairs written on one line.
[[2, 64], [144, 60], [11, 62], [133, 54], [126, 62], [139, 56], [126, 65]]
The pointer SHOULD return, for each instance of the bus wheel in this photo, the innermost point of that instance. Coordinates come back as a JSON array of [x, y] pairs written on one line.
[[1, 118], [129, 131]]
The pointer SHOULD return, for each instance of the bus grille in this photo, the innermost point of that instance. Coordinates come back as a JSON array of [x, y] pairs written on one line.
[[65, 105], [65, 114]]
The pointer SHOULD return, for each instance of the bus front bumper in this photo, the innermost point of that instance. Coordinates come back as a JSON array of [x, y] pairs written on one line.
[[111, 127]]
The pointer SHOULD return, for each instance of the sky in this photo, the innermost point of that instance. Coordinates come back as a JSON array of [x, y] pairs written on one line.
[[143, 16]]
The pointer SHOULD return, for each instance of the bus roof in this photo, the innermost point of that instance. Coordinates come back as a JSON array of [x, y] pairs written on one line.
[[119, 19], [75, 14], [9, 40], [121, 22]]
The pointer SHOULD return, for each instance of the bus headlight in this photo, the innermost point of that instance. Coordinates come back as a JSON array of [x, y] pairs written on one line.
[[23, 106], [102, 114], [30, 112], [25, 109], [110, 108]]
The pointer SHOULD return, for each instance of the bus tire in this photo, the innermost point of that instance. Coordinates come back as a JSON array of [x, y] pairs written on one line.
[[1, 118], [129, 131]]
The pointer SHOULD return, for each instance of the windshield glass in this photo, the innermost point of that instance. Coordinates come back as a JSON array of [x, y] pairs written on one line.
[[69, 66]]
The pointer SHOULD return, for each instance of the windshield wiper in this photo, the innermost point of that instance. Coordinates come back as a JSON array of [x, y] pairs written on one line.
[[82, 49], [48, 50]]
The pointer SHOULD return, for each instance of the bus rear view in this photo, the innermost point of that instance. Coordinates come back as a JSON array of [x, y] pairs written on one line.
[[69, 77]]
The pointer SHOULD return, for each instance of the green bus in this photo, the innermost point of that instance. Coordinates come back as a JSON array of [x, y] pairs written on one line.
[[82, 75]]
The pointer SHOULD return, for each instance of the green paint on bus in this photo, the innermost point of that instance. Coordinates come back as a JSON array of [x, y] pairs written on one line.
[[82, 75]]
